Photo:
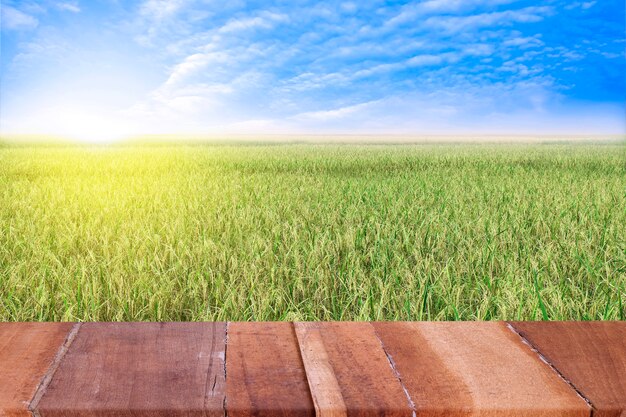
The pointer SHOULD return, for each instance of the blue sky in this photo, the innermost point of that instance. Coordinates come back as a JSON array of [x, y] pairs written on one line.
[[115, 67]]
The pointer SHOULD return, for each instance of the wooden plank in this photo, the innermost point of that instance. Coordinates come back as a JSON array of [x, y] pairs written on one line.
[[477, 369], [348, 371], [140, 369], [265, 374], [591, 355], [27, 351], [323, 384]]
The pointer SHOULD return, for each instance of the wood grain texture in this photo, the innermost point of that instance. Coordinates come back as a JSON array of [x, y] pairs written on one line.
[[591, 355], [475, 369], [140, 369], [348, 371], [26, 352], [325, 389], [265, 374]]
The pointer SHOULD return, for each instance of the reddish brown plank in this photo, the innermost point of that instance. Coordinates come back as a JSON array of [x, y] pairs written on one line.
[[591, 355], [475, 369], [140, 369], [348, 371], [26, 352], [265, 375]]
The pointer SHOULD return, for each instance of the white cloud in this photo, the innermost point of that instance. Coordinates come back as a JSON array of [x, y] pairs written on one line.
[[42, 47], [581, 4], [349, 7], [156, 17], [68, 6], [513, 67], [194, 63], [339, 113], [310, 80], [13, 19], [160, 9], [426, 60], [523, 42], [455, 24], [265, 20], [463, 107], [413, 11], [212, 68]]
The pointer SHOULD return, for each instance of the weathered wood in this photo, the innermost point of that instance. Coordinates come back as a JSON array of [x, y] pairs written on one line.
[[303, 369], [265, 374], [348, 371], [323, 384], [591, 355], [140, 369], [27, 350], [475, 369]]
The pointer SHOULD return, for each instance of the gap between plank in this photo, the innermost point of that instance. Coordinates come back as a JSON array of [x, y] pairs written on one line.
[[396, 373], [207, 380], [47, 378], [225, 353], [545, 360]]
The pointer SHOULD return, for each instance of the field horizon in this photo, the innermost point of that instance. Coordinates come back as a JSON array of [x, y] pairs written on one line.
[[309, 138]]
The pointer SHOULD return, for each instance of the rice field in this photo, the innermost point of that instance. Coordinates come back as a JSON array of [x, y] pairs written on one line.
[[313, 232]]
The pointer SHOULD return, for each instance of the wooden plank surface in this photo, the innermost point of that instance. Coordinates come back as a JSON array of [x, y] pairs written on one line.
[[348, 371], [26, 352], [477, 369], [265, 374], [591, 355], [325, 389], [306, 369], [140, 369]]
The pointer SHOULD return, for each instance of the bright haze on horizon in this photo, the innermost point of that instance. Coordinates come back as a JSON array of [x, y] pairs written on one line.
[[103, 69]]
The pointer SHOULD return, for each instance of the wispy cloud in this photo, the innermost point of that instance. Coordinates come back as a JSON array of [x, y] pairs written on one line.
[[333, 114], [68, 6], [194, 63], [25, 15], [581, 4], [160, 9], [413, 11], [14, 19], [455, 24], [524, 42], [324, 66], [156, 17], [265, 20]]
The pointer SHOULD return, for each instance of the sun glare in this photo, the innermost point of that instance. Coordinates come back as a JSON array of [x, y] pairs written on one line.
[[95, 130], [91, 127]]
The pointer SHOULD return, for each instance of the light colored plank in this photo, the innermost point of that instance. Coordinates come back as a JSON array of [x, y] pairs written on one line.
[[591, 355], [324, 387], [140, 369], [27, 350], [475, 369]]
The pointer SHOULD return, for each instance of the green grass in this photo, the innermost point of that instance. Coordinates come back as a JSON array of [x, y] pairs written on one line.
[[327, 232]]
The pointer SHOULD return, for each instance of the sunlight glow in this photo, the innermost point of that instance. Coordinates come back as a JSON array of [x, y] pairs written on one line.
[[95, 130], [86, 126]]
